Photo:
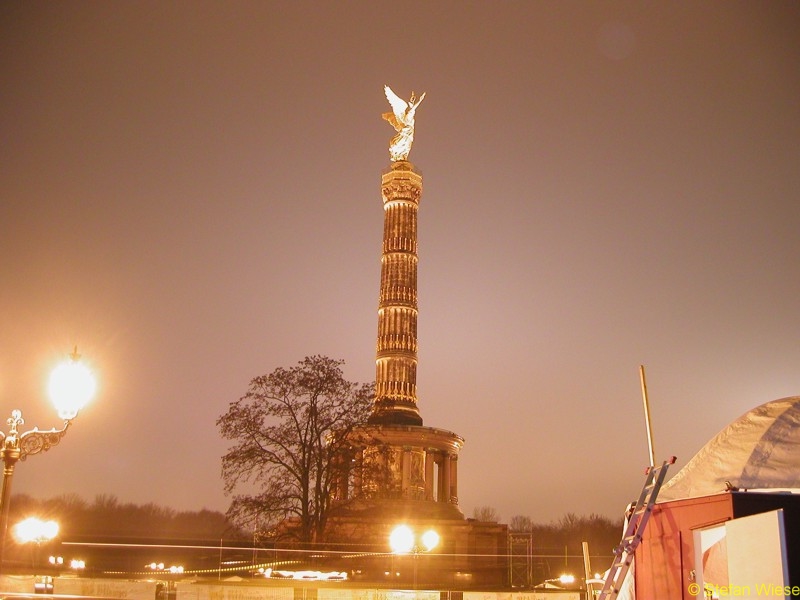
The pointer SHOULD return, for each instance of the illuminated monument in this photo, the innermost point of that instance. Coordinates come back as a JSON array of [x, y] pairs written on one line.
[[403, 467], [401, 471]]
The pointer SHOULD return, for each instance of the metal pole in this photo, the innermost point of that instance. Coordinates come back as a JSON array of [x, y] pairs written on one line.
[[416, 554], [587, 571], [9, 455], [219, 571], [647, 417]]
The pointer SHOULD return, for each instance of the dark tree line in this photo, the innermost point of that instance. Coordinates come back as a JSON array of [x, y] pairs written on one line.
[[557, 547], [570, 531], [112, 536], [108, 518]]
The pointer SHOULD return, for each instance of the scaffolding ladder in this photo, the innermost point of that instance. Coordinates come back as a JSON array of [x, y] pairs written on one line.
[[637, 521], [520, 551]]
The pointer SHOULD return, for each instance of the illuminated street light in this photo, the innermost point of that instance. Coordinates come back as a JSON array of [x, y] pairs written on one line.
[[161, 567], [430, 539], [563, 581], [77, 564], [38, 531], [403, 540], [35, 530], [71, 387]]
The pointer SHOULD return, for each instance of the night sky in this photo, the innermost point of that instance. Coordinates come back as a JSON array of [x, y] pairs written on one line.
[[190, 192]]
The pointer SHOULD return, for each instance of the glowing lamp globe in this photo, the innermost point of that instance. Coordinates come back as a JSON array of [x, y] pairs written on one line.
[[430, 539], [71, 386], [401, 540]]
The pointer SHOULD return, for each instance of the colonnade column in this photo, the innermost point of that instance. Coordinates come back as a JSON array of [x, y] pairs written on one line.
[[430, 461], [445, 475], [357, 473], [342, 467], [406, 471], [453, 479]]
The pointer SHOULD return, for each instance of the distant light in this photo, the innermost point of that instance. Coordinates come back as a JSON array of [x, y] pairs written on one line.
[[306, 575], [567, 579]]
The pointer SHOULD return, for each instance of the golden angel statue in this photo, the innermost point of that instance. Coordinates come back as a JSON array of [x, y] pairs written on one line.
[[402, 119]]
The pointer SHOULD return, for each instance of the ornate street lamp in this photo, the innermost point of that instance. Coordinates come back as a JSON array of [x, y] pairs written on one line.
[[403, 540], [71, 387]]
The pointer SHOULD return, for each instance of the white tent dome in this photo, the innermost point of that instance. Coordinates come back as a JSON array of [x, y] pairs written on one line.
[[760, 449]]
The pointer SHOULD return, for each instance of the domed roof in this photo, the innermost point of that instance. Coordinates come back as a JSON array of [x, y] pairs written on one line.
[[760, 449]]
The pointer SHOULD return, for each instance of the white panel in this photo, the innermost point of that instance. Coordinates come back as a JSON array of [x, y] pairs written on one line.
[[757, 566]]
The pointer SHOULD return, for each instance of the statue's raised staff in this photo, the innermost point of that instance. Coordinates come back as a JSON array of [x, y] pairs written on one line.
[[402, 119]]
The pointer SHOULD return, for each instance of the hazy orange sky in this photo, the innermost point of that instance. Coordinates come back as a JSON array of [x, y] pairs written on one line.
[[191, 194]]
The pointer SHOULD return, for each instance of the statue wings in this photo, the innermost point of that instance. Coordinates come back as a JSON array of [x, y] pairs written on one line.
[[400, 107]]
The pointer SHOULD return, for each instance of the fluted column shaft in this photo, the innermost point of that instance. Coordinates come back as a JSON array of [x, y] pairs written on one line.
[[396, 352]]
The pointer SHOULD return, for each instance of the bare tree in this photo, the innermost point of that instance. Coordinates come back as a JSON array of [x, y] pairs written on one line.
[[521, 524], [288, 430], [486, 514]]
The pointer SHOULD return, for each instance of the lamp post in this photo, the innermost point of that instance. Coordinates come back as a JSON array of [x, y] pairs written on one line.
[[71, 387], [403, 540]]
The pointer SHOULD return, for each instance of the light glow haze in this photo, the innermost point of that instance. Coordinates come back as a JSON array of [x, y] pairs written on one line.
[[191, 195]]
